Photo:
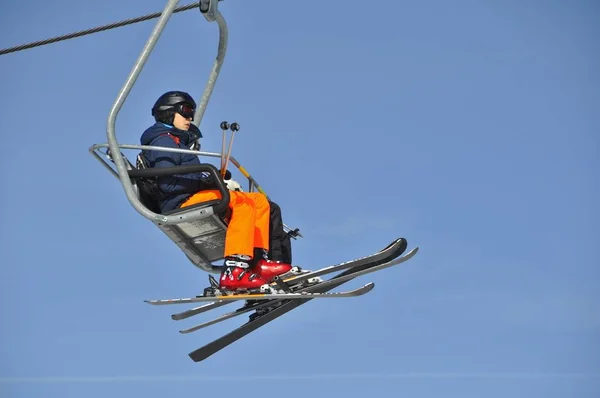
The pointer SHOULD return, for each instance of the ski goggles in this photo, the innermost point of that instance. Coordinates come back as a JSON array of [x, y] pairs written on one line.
[[185, 110]]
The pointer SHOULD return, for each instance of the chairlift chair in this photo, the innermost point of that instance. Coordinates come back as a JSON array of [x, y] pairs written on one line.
[[199, 230]]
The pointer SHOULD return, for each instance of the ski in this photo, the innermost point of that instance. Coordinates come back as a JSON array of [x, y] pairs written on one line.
[[265, 296], [198, 310], [217, 345], [250, 307], [240, 311], [257, 305], [394, 249]]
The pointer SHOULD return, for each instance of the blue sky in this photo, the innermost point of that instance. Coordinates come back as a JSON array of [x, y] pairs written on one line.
[[469, 127]]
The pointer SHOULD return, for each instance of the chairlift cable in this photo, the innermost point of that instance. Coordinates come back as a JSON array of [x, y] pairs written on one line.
[[94, 30]]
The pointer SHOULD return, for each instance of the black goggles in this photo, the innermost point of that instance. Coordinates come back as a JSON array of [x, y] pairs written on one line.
[[185, 110]]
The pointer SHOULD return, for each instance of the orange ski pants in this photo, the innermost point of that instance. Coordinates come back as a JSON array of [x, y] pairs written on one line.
[[249, 224]]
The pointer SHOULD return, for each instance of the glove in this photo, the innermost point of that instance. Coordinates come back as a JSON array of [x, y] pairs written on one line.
[[207, 181], [233, 185]]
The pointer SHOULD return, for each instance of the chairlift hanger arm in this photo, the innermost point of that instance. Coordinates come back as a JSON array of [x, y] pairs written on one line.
[[209, 8]]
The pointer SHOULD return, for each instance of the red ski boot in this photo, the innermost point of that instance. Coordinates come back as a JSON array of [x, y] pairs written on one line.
[[268, 269], [239, 276]]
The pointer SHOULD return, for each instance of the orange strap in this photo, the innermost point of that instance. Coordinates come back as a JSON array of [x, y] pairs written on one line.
[[176, 139]]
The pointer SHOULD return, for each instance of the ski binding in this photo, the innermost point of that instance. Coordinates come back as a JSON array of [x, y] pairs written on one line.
[[271, 294]]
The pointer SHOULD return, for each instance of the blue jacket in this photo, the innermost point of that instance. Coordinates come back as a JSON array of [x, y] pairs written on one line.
[[176, 188]]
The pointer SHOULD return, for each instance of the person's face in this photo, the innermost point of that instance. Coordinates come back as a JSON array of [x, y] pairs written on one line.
[[181, 122]]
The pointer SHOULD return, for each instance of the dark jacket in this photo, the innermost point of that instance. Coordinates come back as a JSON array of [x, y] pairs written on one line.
[[177, 188]]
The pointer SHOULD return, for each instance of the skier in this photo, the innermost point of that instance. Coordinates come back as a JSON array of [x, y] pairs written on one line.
[[255, 223]]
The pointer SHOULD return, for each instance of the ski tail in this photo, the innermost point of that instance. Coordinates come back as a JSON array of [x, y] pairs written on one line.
[[198, 310]]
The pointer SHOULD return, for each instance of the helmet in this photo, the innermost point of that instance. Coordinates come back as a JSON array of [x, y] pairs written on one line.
[[165, 106]]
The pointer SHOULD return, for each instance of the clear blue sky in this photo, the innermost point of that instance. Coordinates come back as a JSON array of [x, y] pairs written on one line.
[[469, 127]]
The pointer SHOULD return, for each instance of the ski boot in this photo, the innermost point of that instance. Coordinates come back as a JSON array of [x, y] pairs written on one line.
[[238, 276], [268, 269]]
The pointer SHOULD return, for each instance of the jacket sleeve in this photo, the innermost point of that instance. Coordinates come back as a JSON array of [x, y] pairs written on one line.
[[179, 183]]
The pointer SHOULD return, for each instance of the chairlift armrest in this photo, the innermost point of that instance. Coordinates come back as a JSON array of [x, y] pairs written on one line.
[[197, 168]]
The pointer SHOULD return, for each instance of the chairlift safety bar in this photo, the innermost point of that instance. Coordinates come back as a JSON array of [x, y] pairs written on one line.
[[96, 151]]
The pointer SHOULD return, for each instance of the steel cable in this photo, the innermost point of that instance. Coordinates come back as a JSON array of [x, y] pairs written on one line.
[[94, 30]]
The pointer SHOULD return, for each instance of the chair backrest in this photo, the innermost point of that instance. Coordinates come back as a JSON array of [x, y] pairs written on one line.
[[148, 189]]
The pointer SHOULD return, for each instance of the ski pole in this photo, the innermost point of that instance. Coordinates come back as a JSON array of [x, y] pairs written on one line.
[[224, 128], [234, 127]]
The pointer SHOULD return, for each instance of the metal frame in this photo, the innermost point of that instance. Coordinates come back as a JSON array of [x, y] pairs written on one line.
[[205, 243]]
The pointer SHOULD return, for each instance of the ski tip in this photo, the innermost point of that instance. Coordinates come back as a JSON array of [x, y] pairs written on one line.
[[411, 253], [369, 287], [401, 242]]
